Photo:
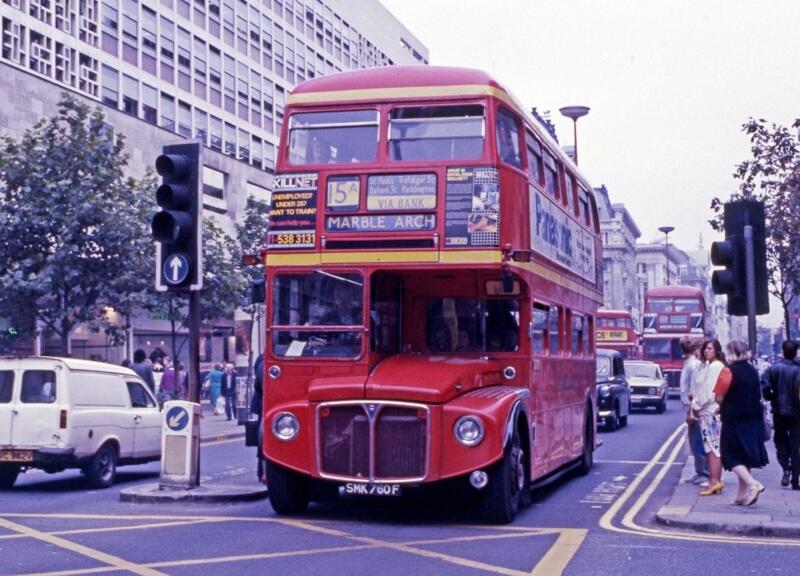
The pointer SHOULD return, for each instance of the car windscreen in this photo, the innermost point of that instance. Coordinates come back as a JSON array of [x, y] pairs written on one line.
[[641, 370], [603, 367]]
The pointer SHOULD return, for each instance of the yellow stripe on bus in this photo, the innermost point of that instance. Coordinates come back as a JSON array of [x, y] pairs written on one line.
[[450, 257], [560, 279], [381, 94]]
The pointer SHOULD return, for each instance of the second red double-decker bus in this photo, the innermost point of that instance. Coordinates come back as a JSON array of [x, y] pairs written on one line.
[[432, 284], [614, 330], [671, 312]]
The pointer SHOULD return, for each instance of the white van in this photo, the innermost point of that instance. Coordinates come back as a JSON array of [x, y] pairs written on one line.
[[58, 413]]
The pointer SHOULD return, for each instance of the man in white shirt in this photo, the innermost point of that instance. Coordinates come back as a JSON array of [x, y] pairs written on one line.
[[691, 366]]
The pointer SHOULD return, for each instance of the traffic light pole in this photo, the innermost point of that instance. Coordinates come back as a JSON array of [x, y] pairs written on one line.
[[750, 276], [194, 346]]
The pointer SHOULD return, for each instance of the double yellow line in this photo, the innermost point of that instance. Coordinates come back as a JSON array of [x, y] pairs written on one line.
[[628, 525]]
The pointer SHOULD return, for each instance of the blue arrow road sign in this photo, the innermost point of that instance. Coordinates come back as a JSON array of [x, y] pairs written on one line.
[[177, 418], [176, 269]]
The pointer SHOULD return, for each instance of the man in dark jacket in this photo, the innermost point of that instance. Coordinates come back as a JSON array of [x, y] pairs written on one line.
[[781, 385]]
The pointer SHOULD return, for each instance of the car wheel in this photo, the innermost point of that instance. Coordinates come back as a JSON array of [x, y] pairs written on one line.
[[102, 470], [587, 457], [612, 423], [288, 490], [8, 475], [507, 481]]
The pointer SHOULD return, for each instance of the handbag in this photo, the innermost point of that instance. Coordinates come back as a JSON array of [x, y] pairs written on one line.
[[767, 420]]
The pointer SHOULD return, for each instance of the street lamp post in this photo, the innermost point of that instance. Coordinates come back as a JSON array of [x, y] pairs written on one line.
[[666, 230], [574, 112]]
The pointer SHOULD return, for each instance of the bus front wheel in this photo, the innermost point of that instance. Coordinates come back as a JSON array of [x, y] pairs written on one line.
[[507, 481], [288, 491]]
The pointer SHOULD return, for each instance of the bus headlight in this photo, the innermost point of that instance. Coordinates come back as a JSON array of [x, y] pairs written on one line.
[[285, 426], [605, 391], [469, 430]]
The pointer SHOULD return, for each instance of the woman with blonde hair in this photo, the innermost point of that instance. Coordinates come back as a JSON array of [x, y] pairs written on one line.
[[738, 392], [706, 410]]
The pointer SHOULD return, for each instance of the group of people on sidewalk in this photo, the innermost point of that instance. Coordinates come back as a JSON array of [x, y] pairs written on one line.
[[726, 428], [725, 419]]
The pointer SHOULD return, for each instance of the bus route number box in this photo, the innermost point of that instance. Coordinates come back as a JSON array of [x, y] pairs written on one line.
[[180, 445]]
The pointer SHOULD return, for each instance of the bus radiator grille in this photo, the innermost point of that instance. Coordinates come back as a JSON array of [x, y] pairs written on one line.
[[399, 444]]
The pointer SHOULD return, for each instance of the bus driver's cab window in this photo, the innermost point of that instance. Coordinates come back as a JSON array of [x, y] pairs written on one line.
[[508, 139]]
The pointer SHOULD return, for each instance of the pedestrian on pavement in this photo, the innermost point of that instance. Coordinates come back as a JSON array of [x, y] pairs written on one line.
[[126, 363], [181, 381], [691, 366], [781, 386], [229, 390], [214, 379], [706, 410], [169, 382], [256, 408], [738, 393], [143, 369]]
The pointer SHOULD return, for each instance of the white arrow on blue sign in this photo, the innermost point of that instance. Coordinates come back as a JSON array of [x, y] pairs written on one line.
[[177, 418], [176, 269]]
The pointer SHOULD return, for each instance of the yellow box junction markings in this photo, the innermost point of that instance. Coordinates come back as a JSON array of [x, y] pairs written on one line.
[[552, 563]]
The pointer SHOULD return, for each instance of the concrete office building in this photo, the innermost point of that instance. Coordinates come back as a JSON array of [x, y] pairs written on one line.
[[218, 70]]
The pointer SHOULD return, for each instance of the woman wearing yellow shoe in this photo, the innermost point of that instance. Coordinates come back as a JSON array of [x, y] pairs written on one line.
[[742, 442], [706, 410]]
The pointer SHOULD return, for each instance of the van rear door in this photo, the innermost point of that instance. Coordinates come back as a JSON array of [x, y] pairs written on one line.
[[35, 411], [6, 392]]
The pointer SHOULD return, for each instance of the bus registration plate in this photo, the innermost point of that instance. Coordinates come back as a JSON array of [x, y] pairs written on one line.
[[362, 489], [16, 456]]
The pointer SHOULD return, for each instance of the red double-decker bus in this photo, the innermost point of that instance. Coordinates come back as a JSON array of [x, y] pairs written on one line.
[[614, 330], [432, 283], [671, 312]]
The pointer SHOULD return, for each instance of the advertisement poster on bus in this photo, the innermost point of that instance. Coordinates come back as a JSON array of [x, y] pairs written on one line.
[[293, 213], [472, 214], [560, 238]]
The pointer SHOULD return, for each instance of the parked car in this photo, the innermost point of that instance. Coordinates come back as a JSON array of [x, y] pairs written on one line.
[[613, 393], [59, 413], [648, 385]]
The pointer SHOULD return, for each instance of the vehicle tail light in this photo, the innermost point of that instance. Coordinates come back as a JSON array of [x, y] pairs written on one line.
[[62, 420]]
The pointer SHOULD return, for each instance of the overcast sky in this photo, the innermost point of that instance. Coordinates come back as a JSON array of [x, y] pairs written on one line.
[[669, 83]]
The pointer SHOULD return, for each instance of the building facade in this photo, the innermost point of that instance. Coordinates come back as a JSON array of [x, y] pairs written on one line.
[[619, 233], [217, 70]]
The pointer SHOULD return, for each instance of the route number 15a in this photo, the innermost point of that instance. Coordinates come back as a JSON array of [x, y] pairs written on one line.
[[343, 193]]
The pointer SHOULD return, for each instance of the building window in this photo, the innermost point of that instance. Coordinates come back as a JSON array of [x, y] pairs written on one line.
[[149, 104], [215, 76], [167, 50], [244, 146], [110, 23], [213, 182], [167, 112], [110, 93], [230, 85], [216, 134], [13, 42], [130, 95], [184, 60], [149, 40], [258, 192], [199, 68], [130, 31], [87, 78], [201, 125], [41, 56], [184, 119], [230, 140]]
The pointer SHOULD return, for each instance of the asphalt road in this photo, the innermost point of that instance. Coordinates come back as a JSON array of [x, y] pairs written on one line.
[[598, 524]]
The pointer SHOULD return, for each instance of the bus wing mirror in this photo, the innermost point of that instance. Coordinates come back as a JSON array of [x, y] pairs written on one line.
[[258, 293]]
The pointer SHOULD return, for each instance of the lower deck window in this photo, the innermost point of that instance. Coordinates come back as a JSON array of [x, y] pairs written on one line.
[[472, 325]]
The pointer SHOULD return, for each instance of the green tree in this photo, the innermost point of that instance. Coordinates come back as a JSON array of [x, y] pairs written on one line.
[[772, 176], [251, 238], [73, 228]]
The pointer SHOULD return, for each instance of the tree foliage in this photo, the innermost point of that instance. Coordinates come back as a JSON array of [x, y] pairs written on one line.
[[772, 176], [73, 228]]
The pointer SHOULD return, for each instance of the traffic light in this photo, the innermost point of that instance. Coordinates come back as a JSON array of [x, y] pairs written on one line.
[[731, 253], [177, 228]]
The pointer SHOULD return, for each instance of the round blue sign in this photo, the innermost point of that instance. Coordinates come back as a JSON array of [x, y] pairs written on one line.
[[176, 269], [177, 418]]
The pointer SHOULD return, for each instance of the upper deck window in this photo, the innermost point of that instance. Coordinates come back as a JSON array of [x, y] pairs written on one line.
[[508, 139], [337, 137], [436, 133], [659, 305], [687, 305], [551, 175], [534, 157]]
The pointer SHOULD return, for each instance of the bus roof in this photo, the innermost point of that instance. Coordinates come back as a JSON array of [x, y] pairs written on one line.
[[608, 313], [675, 291], [396, 83]]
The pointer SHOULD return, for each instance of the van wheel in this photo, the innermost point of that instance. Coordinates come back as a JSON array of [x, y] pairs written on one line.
[[507, 481], [8, 475], [102, 470], [288, 491]]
